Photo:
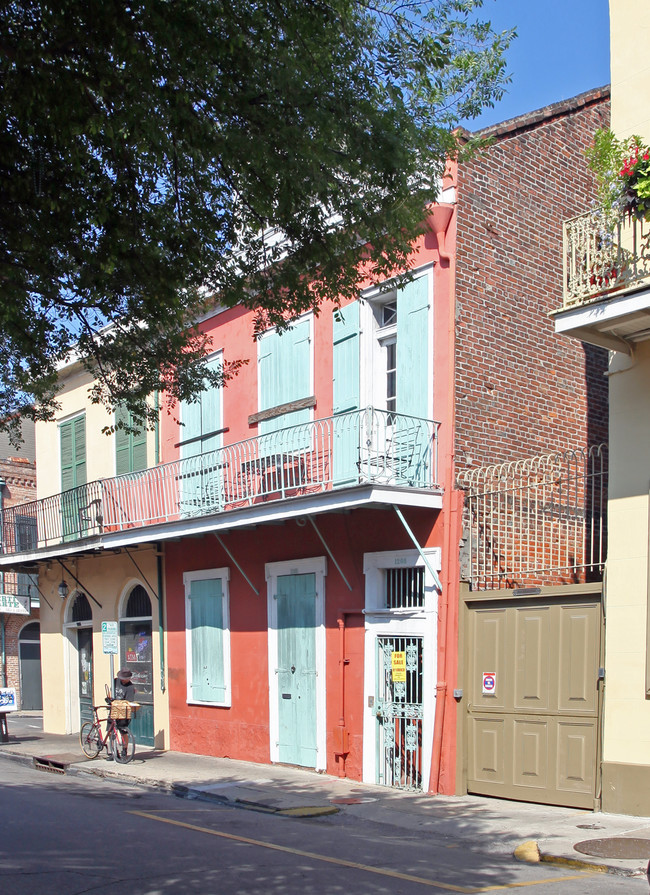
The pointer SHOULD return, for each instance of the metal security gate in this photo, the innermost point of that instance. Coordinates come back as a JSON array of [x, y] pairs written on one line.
[[399, 710]]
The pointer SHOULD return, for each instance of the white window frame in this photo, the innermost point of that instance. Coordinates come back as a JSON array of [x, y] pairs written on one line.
[[202, 575], [374, 337]]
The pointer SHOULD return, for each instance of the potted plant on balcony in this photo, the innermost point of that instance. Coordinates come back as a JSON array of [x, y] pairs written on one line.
[[621, 169]]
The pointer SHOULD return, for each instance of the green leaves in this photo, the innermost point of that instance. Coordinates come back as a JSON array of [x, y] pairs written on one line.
[[154, 150]]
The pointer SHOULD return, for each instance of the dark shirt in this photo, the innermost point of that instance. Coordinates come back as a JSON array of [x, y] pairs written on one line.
[[124, 690]]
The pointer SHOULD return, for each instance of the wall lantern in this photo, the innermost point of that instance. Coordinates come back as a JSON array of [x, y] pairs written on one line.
[[63, 589]]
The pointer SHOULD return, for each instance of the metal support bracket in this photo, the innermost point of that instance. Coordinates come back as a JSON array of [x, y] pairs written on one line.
[[425, 558]]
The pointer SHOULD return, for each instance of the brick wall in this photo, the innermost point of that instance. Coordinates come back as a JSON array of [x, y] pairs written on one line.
[[521, 390]]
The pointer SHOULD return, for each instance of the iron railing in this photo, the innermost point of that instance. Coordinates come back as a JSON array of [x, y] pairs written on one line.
[[540, 521], [362, 446], [602, 256]]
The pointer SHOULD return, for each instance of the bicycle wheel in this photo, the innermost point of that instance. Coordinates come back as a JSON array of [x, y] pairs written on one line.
[[90, 738], [123, 746]]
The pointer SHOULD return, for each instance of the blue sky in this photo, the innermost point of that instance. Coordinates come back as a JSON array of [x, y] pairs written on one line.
[[562, 49]]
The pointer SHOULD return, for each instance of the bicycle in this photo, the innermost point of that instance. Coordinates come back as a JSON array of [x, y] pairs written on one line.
[[117, 740]]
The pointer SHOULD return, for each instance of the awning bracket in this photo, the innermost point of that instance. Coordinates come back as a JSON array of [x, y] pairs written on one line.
[[233, 560], [425, 558]]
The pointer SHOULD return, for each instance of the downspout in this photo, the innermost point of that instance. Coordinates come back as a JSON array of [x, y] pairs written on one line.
[[439, 221], [161, 625], [342, 749]]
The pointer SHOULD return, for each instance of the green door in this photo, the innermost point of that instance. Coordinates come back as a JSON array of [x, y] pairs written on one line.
[[345, 387], [136, 655], [73, 474], [296, 672], [85, 660]]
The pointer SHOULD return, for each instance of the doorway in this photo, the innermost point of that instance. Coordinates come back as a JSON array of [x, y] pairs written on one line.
[[297, 662], [136, 655], [29, 656]]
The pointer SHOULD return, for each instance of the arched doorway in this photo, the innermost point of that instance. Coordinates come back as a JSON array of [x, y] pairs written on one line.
[[80, 626], [29, 657], [136, 655]]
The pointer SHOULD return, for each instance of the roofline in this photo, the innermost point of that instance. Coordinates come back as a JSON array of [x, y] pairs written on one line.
[[529, 120]]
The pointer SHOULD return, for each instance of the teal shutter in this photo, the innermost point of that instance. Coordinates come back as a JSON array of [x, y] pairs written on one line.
[[201, 489], [413, 348], [346, 393], [296, 620], [284, 371], [208, 682]]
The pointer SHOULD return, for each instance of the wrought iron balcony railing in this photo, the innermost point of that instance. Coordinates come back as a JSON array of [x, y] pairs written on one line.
[[362, 446], [602, 257]]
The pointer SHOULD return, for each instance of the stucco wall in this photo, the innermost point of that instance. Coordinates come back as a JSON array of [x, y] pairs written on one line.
[[108, 580], [629, 39]]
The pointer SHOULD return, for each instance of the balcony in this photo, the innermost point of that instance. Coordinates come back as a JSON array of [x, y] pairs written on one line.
[[606, 295], [362, 447]]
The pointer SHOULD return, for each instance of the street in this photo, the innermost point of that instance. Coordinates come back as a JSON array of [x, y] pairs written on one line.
[[77, 834]]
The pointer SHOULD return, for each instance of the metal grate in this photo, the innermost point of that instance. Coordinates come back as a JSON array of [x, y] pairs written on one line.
[[400, 711], [404, 588], [139, 604], [540, 521]]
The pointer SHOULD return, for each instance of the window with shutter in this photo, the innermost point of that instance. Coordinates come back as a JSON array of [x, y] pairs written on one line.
[[207, 636], [130, 447]]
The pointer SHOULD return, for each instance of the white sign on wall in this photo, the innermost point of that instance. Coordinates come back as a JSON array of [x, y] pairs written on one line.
[[8, 701], [15, 605], [109, 638]]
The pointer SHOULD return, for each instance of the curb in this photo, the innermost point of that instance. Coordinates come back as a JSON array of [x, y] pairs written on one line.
[[528, 852]]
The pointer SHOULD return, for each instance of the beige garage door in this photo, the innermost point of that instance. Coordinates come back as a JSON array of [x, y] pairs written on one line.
[[533, 705]]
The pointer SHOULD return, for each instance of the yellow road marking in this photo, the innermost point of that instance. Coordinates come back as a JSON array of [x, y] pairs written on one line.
[[341, 862]]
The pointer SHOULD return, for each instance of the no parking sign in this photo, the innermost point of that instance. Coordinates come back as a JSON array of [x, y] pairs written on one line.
[[489, 683]]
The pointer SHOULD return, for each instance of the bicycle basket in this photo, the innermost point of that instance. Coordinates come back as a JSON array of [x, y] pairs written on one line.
[[121, 710]]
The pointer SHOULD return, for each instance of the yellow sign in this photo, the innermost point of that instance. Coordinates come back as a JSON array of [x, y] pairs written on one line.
[[398, 665]]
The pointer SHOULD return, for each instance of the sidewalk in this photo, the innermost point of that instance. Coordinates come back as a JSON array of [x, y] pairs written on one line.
[[617, 843]]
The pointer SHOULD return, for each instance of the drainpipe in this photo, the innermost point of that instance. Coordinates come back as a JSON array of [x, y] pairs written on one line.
[[161, 625], [439, 221], [342, 749]]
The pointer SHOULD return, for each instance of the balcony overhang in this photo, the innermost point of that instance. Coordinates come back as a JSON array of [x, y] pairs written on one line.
[[613, 322], [369, 496]]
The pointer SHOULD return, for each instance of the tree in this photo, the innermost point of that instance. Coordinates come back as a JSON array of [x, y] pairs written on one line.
[[157, 156]]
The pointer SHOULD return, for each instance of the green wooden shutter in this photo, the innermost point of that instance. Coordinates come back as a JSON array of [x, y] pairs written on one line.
[[346, 393], [413, 348], [73, 453], [206, 624], [130, 449]]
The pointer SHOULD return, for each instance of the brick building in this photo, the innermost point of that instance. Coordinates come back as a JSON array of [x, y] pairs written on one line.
[[521, 390], [19, 631], [284, 567]]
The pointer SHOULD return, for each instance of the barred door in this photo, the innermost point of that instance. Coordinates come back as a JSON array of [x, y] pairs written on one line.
[[399, 712]]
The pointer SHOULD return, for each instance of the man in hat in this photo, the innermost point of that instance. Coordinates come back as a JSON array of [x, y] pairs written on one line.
[[123, 688]]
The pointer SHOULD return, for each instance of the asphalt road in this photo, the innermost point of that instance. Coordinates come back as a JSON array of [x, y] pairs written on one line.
[[68, 835]]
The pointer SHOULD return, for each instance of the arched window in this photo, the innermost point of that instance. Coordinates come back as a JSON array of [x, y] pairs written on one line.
[[138, 605], [81, 611]]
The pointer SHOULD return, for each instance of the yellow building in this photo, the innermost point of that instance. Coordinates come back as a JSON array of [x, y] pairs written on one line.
[[607, 303], [100, 600]]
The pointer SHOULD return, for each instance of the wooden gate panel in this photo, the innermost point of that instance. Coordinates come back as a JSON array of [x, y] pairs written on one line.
[[534, 735]]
